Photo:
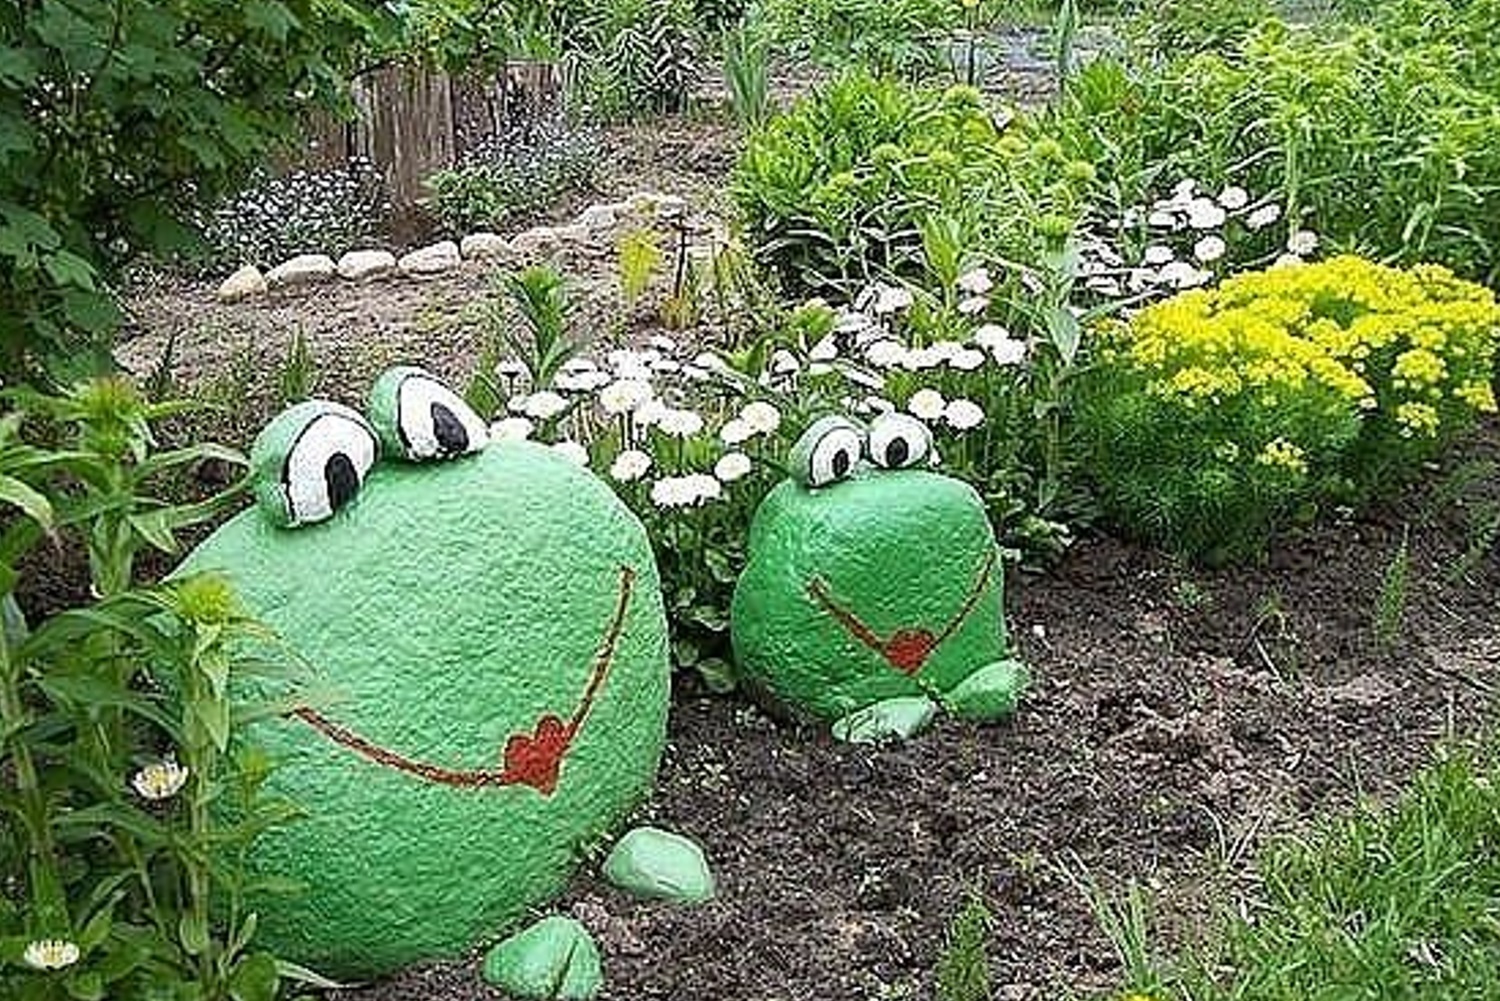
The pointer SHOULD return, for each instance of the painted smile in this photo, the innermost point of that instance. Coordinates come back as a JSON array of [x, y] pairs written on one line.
[[531, 759], [907, 650]]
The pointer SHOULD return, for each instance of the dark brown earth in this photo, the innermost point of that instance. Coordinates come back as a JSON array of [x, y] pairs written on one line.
[[1178, 719]]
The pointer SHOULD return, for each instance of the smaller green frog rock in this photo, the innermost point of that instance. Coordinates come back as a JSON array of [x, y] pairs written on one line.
[[486, 680], [872, 593]]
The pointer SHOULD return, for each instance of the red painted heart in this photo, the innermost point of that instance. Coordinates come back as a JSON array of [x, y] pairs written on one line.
[[534, 759], [909, 649]]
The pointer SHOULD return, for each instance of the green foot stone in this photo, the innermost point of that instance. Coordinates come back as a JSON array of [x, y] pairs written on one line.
[[899, 717], [989, 693], [658, 864], [553, 959]]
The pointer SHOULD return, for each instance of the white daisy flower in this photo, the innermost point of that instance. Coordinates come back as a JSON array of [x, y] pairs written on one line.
[[732, 466], [672, 491], [1204, 213], [1263, 216], [892, 299], [1158, 253], [511, 429], [50, 954], [1234, 198], [545, 405], [704, 487], [976, 281], [761, 417], [1162, 219], [886, 354], [928, 404], [582, 380], [630, 465], [966, 359], [1181, 275], [1285, 260], [1105, 286], [624, 395], [974, 305], [651, 412], [662, 342], [159, 780], [823, 351], [963, 415], [572, 451], [735, 431], [680, 423], [783, 362], [990, 334], [1209, 249], [1302, 242]]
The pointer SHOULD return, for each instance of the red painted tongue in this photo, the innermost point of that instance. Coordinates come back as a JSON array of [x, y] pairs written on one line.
[[534, 759], [909, 649]]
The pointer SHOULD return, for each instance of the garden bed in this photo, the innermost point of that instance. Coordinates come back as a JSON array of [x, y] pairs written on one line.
[[1178, 719]]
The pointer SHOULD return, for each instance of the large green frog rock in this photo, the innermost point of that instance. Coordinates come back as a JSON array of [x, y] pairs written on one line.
[[872, 593], [486, 683]]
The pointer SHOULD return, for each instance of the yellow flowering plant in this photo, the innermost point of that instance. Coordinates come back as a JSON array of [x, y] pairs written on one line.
[[1213, 417]]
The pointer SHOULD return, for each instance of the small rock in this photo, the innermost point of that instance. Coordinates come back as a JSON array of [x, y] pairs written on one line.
[[359, 265], [245, 283], [602, 216], [304, 269], [650, 862], [478, 245], [431, 260], [554, 958], [653, 204]]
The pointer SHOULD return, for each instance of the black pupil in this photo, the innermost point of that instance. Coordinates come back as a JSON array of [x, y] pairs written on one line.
[[342, 480], [451, 436], [841, 462], [897, 451]]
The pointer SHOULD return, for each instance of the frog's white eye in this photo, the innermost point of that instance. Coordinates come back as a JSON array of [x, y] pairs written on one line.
[[898, 441], [311, 461], [827, 452], [426, 419]]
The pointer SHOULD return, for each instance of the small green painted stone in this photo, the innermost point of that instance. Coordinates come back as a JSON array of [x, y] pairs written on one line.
[[553, 959], [660, 865], [898, 717], [989, 693]]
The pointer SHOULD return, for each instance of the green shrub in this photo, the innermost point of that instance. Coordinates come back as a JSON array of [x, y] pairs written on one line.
[[108, 131], [885, 36], [636, 56], [1215, 416], [1379, 146], [833, 192], [120, 880]]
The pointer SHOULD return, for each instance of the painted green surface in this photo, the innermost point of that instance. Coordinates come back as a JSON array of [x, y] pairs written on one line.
[[908, 553], [446, 609], [554, 958], [657, 864]]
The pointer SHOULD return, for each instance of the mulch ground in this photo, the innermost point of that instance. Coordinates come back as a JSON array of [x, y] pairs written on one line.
[[1178, 719]]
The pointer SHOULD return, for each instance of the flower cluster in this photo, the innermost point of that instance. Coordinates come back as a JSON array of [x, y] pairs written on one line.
[[325, 211], [1218, 410], [514, 173], [1185, 240]]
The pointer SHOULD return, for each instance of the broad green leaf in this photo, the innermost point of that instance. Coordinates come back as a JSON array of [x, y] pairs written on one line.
[[32, 504]]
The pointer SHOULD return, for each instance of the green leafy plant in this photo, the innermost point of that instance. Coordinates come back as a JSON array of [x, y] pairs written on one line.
[[513, 175], [747, 72], [1280, 115], [298, 374], [117, 119], [963, 970], [130, 802], [641, 258], [1390, 603], [831, 194]]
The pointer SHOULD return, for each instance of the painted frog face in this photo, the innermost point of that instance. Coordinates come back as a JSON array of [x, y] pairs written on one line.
[[485, 640], [870, 578]]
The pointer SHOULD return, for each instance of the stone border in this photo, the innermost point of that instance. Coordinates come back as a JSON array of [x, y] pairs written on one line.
[[309, 270]]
